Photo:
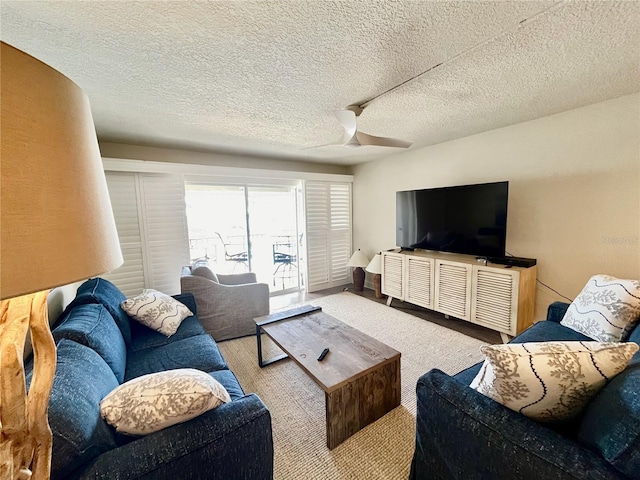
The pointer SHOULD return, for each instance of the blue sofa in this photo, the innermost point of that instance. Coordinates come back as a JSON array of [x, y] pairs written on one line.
[[461, 434], [99, 347]]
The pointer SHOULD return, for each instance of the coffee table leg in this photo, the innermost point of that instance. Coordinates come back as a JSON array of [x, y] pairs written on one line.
[[278, 317], [261, 362], [361, 402]]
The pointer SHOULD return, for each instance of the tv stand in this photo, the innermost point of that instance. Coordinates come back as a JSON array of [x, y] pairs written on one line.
[[407, 249], [499, 297]]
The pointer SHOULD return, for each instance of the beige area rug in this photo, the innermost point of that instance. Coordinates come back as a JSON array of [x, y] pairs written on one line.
[[382, 450]]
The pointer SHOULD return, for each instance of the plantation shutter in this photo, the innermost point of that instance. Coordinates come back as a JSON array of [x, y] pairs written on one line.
[[165, 222], [150, 216], [328, 219], [129, 277]]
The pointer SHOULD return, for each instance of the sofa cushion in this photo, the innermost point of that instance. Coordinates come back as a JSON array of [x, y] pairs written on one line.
[[606, 309], [156, 401], [199, 352], [550, 381], [467, 375], [546, 331], [556, 311], [99, 290], [635, 337], [93, 326], [81, 381], [143, 337], [611, 422], [157, 311], [229, 381]]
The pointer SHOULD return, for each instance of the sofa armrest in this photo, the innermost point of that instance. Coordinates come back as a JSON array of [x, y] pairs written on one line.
[[232, 441], [556, 311], [461, 434], [237, 278], [188, 300]]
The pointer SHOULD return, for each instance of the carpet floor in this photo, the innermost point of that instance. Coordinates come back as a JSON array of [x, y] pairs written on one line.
[[382, 450]]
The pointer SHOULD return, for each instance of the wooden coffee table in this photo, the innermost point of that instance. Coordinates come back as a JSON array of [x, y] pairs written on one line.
[[360, 375]]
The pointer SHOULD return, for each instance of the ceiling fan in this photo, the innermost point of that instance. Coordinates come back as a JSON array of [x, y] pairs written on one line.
[[354, 138]]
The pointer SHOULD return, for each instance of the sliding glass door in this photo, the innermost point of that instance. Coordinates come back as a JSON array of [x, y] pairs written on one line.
[[217, 222], [240, 228]]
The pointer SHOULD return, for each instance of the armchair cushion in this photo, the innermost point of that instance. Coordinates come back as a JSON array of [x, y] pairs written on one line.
[[205, 272], [227, 311], [237, 278]]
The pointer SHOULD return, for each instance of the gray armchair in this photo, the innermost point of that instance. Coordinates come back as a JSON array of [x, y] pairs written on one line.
[[227, 304]]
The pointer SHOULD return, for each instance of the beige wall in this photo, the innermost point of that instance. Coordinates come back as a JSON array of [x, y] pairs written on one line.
[[155, 154], [574, 191]]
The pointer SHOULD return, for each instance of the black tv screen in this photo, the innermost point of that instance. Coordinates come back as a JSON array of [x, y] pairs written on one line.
[[468, 219]]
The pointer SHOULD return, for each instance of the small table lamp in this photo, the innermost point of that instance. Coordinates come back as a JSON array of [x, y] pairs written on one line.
[[57, 228], [359, 261], [375, 267]]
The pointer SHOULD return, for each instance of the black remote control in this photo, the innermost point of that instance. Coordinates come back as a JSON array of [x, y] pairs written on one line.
[[323, 354]]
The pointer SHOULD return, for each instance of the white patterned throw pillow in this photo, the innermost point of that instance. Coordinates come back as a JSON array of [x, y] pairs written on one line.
[[152, 402], [549, 381], [157, 311], [606, 309]]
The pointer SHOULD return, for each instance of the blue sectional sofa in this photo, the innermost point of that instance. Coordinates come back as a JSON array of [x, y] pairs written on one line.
[[461, 434], [100, 347]]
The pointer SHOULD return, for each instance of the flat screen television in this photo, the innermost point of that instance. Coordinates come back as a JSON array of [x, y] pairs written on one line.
[[468, 219]]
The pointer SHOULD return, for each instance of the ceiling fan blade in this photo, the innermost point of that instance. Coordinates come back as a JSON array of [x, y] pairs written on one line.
[[366, 139], [348, 120], [334, 144]]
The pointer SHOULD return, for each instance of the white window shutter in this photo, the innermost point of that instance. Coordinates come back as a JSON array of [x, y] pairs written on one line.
[[150, 216], [340, 243], [316, 207], [165, 231], [129, 277], [328, 219]]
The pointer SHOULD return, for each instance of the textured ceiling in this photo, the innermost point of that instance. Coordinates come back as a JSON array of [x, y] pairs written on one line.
[[264, 78]]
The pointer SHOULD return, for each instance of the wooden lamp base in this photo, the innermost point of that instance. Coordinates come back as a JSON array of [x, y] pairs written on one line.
[[358, 279], [377, 285], [25, 435]]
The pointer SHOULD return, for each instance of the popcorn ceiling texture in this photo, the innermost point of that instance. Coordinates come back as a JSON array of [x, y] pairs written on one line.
[[265, 77]]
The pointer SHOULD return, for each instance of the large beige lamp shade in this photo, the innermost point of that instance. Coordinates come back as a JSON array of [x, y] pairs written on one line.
[[56, 227]]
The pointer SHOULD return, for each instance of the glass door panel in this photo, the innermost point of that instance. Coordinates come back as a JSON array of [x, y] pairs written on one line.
[[217, 222], [247, 228], [274, 237]]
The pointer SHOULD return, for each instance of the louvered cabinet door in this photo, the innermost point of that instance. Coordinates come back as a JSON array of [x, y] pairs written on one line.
[[392, 273], [453, 289], [419, 281], [495, 298]]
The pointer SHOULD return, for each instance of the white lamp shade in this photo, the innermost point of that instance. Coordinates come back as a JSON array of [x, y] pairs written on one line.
[[56, 221], [375, 265], [358, 259]]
